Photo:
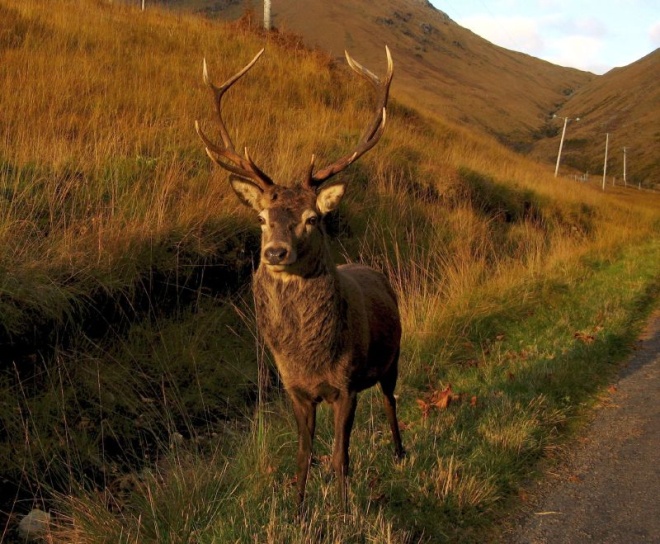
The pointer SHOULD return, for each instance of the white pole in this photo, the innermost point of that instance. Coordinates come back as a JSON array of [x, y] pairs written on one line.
[[625, 180], [561, 145], [267, 14], [143, 1], [607, 143]]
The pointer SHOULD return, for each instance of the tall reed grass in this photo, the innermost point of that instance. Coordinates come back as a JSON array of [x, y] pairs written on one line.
[[103, 183]]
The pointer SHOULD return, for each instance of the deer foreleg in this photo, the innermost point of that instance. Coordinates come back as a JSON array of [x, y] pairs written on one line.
[[305, 413], [344, 412]]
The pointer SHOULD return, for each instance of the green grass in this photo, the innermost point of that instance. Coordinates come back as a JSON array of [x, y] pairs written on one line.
[[223, 465], [135, 400]]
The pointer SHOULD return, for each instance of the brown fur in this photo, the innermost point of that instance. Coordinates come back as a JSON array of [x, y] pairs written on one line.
[[333, 331]]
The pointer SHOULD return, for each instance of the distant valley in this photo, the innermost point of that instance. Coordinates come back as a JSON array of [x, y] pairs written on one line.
[[453, 74]]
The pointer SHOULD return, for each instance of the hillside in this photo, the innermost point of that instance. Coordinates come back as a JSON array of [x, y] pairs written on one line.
[[443, 68], [137, 403], [626, 103]]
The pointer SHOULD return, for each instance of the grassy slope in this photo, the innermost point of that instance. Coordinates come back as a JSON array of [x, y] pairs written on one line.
[[442, 67], [623, 102], [103, 182]]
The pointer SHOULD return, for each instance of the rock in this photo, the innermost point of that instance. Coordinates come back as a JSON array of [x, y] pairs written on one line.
[[427, 28], [35, 525]]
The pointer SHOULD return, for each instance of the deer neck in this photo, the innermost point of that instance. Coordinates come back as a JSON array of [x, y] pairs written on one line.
[[301, 316]]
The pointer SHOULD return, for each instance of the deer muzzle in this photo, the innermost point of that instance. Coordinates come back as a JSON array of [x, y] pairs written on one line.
[[277, 254]]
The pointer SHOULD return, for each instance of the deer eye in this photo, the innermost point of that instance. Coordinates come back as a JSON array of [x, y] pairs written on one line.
[[313, 220], [262, 220]]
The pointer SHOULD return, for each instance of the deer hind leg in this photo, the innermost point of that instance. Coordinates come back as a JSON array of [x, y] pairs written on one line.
[[305, 413], [387, 384], [344, 412]]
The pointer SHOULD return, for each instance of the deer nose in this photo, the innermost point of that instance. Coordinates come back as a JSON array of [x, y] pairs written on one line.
[[276, 254]]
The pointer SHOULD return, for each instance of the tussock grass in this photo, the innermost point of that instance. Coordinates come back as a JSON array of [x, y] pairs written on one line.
[[102, 174], [172, 428]]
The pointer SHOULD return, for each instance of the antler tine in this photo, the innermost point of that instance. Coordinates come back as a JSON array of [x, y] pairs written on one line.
[[256, 169], [310, 176], [374, 130], [243, 167]]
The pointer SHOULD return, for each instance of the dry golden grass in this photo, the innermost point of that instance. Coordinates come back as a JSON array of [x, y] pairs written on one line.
[[101, 167], [102, 179], [441, 66]]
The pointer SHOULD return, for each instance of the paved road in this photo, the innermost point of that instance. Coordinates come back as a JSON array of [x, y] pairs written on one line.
[[610, 491]]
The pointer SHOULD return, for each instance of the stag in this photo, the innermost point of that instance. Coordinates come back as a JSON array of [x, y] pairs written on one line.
[[333, 330]]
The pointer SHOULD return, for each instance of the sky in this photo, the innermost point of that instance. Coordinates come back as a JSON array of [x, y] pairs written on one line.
[[590, 35]]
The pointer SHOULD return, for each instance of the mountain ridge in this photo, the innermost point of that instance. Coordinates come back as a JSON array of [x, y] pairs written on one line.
[[503, 93], [624, 102], [450, 72]]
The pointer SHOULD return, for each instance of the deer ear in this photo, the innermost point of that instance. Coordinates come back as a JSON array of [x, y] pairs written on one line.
[[247, 192], [328, 198]]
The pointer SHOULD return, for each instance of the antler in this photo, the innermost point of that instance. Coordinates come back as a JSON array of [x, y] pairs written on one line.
[[243, 167], [373, 132]]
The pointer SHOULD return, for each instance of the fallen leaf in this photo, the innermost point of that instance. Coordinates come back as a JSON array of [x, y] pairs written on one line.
[[510, 376], [473, 401], [270, 469], [582, 337], [575, 479], [443, 398], [499, 337], [612, 389], [376, 498], [403, 426], [424, 406], [523, 495]]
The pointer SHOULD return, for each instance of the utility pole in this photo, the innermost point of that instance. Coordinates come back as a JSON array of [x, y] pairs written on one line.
[[607, 143], [267, 14], [561, 142], [561, 145], [625, 181]]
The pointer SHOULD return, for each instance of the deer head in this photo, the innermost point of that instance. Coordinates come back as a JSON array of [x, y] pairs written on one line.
[[291, 217]]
